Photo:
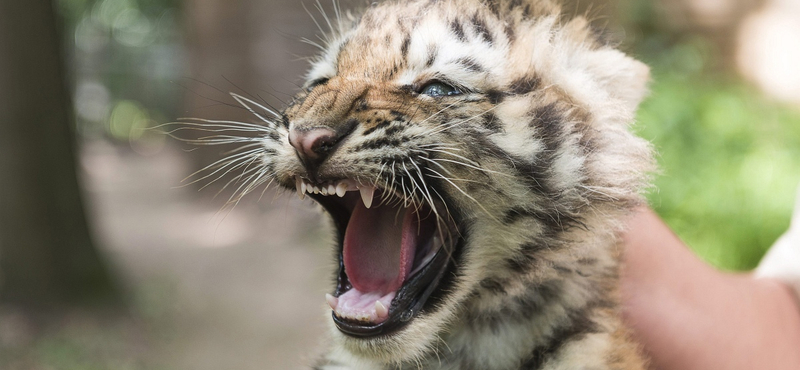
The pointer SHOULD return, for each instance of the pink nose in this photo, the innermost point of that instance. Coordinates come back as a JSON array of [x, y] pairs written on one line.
[[313, 145]]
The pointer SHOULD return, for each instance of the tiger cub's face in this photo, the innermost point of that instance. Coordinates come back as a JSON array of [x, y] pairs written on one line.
[[445, 139]]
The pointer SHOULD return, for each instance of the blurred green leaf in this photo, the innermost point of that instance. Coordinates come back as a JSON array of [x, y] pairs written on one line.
[[729, 159]]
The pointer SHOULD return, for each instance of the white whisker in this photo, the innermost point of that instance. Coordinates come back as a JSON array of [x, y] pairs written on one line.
[[464, 193], [244, 100]]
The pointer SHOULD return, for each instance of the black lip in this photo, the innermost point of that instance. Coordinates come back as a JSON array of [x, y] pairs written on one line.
[[411, 299]]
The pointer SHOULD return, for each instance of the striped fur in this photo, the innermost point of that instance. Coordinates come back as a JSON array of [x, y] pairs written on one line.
[[534, 160]]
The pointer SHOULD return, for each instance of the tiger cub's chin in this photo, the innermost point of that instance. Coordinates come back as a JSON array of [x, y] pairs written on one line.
[[475, 159]]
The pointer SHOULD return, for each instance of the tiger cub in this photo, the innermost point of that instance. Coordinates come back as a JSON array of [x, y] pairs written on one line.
[[475, 160]]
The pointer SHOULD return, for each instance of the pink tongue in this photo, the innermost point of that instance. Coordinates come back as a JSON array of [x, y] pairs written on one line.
[[379, 246]]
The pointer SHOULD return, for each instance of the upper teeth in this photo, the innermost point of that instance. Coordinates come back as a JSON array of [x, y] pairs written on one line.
[[339, 188]]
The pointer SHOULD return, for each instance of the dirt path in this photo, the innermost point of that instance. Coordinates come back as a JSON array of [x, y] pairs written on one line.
[[242, 290]]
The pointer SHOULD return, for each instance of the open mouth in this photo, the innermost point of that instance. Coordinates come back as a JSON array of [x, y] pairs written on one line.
[[393, 254]]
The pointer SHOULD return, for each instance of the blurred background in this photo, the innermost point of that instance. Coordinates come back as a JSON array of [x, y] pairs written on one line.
[[109, 259]]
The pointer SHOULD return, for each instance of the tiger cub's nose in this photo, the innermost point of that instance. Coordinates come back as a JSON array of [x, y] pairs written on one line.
[[313, 145]]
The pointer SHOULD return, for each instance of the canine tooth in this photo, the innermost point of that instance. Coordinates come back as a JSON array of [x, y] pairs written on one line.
[[332, 301], [367, 193], [381, 310], [298, 186], [331, 189], [341, 189], [437, 242]]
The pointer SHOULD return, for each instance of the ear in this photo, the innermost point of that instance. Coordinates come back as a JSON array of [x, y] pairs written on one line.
[[621, 76]]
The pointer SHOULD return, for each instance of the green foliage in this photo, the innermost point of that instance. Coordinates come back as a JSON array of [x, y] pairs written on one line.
[[123, 52], [729, 159]]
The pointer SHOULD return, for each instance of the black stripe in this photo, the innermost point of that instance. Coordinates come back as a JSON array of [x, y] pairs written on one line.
[[379, 123], [482, 29], [458, 30], [534, 173], [523, 261], [536, 298], [395, 69], [377, 144], [548, 122], [510, 34], [471, 64], [494, 7], [492, 123], [581, 325], [554, 220], [495, 96], [393, 130], [404, 47], [433, 51], [361, 105], [493, 286], [520, 264], [524, 85], [562, 269], [518, 309], [526, 12]]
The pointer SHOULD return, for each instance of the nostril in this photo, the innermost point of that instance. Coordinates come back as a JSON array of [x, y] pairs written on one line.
[[313, 144], [323, 144]]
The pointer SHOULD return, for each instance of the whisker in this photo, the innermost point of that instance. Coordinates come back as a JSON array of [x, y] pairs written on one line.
[[438, 164], [235, 179], [324, 16], [313, 43], [464, 193], [314, 19], [451, 125], [219, 102], [201, 121], [455, 155], [424, 186], [237, 86], [414, 185], [437, 113], [244, 100], [223, 163], [473, 167], [245, 182]]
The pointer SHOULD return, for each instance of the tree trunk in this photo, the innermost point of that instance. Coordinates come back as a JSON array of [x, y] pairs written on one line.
[[46, 252]]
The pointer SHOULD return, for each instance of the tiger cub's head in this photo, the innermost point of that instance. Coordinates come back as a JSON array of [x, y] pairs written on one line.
[[450, 140]]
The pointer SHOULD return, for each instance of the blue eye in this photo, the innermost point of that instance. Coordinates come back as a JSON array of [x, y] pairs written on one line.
[[437, 89]]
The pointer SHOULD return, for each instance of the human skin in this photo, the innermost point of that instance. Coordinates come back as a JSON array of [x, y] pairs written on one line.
[[689, 315]]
